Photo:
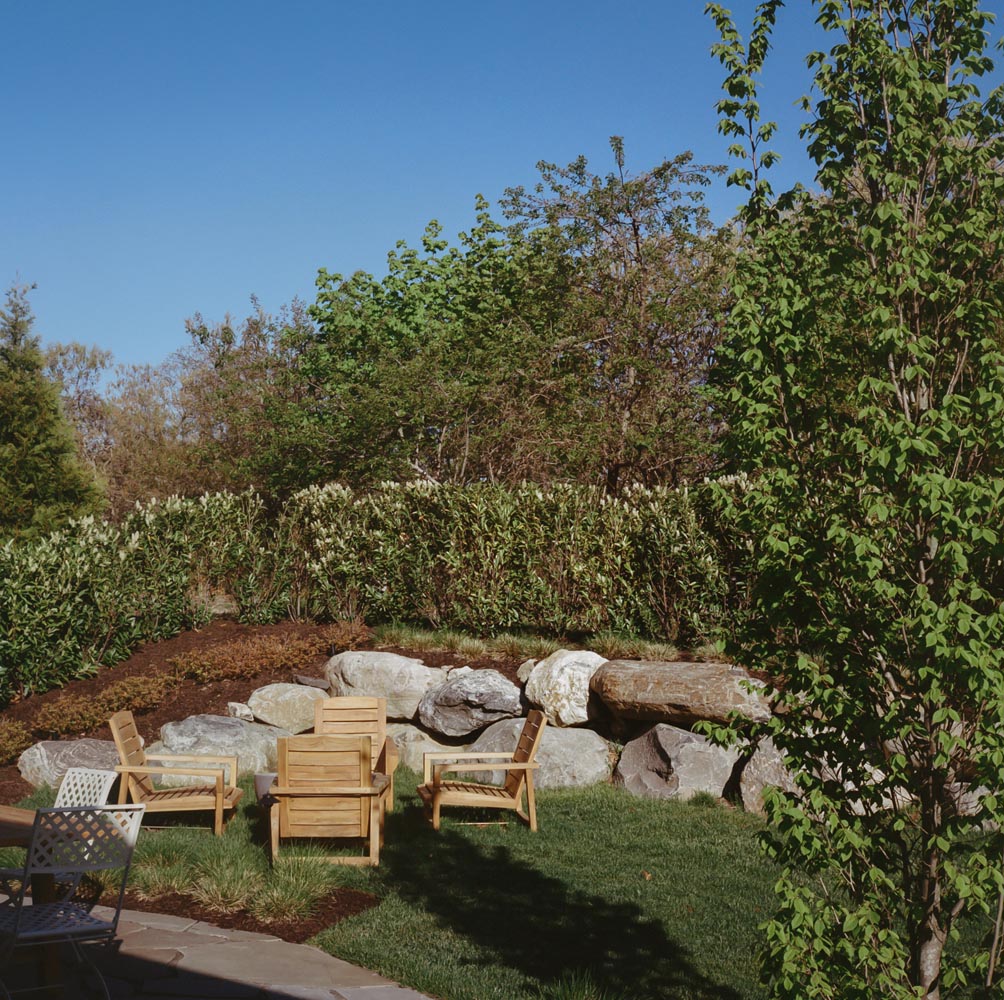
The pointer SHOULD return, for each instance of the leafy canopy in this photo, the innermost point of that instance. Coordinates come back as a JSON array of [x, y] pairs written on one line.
[[863, 378]]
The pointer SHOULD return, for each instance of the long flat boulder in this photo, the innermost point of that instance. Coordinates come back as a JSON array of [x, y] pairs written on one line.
[[680, 693]]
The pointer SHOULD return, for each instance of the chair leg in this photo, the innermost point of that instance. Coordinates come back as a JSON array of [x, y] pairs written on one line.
[[435, 811], [218, 818], [273, 816], [376, 829], [531, 801], [390, 795], [85, 959]]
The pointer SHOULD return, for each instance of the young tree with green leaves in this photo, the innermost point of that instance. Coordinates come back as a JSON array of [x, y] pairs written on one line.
[[568, 343], [42, 482], [644, 311], [863, 381]]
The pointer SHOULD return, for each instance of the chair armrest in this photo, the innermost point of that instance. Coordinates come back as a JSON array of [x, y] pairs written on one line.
[[206, 760], [441, 769], [188, 772], [428, 758], [281, 792]]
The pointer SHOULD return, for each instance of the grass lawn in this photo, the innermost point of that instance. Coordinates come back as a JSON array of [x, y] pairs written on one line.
[[616, 898], [652, 899]]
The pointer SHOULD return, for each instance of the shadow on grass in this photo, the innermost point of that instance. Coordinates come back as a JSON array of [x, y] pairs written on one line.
[[520, 917]]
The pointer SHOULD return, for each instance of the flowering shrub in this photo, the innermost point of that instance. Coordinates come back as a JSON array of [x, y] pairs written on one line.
[[481, 558], [564, 559]]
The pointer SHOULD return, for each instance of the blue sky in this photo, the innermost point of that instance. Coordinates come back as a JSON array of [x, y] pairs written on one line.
[[167, 158]]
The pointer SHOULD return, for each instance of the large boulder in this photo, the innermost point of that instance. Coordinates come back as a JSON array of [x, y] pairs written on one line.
[[764, 769], [45, 763], [468, 701], [413, 744], [671, 763], [560, 685], [288, 706], [402, 680], [254, 744], [567, 757], [678, 693]]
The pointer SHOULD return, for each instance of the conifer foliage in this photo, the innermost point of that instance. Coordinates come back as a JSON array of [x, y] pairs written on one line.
[[42, 482]]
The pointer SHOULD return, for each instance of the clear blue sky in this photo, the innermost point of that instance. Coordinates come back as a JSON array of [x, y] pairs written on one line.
[[166, 158]]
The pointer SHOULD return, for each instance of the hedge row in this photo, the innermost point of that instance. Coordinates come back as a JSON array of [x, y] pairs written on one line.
[[563, 560]]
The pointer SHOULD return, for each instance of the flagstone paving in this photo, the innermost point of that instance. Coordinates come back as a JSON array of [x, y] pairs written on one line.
[[163, 957]]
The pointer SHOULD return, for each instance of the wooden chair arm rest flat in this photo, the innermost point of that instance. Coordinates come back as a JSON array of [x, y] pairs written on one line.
[[299, 793], [211, 759], [206, 760], [427, 759], [440, 769], [187, 772]]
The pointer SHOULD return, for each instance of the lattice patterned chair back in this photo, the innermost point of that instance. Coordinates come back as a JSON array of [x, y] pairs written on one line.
[[85, 786], [81, 839], [66, 845]]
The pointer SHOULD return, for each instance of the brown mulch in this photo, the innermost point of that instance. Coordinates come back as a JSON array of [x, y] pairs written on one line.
[[341, 903], [192, 698]]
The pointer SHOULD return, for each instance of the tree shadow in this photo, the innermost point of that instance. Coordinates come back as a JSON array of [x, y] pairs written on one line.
[[532, 922]]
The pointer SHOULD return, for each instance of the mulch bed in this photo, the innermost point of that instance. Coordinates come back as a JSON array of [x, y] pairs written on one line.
[[340, 904]]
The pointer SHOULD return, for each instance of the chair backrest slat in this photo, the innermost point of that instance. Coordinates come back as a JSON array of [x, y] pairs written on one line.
[[131, 754], [354, 716], [526, 750]]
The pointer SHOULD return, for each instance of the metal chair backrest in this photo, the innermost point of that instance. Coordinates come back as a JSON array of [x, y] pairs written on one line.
[[85, 786], [526, 750], [81, 839], [69, 843]]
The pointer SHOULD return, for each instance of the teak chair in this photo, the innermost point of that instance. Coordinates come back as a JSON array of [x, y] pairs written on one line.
[[68, 845], [326, 788], [361, 717], [520, 765], [136, 769]]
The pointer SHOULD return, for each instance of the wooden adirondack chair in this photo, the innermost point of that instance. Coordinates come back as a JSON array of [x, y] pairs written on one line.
[[326, 788], [361, 717], [436, 792], [220, 796]]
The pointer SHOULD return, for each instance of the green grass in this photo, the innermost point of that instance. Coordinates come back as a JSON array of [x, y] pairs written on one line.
[[616, 898]]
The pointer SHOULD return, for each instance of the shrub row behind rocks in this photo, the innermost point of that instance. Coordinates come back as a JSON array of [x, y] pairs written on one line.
[[479, 558]]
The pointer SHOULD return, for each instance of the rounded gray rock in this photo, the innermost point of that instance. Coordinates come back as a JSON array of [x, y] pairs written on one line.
[[254, 744], [402, 680], [671, 763], [413, 744], [568, 758], [45, 763], [560, 685], [288, 706], [469, 701]]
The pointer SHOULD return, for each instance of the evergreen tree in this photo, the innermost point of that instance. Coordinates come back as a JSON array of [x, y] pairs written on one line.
[[42, 482]]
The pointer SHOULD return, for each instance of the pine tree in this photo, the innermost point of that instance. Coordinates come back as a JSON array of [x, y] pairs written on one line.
[[42, 482]]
